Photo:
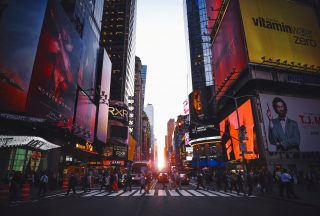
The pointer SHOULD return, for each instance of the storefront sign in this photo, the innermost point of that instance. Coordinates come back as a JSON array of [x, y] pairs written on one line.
[[88, 146]]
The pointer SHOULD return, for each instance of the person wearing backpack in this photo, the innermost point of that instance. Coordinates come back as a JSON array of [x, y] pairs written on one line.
[[43, 184]]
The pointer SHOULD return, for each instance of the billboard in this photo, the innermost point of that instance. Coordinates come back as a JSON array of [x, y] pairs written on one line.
[[229, 56], [85, 118], [275, 30], [53, 85], [229, 134], [19, 37], [213, 7], [291, 123], [102, 127]]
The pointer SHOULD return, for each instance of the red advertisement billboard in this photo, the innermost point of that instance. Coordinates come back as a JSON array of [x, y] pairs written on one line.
[[229, 134], [20, 28], [228, 51], [213, 7], [103, 114], [55, 73], [85, 118]]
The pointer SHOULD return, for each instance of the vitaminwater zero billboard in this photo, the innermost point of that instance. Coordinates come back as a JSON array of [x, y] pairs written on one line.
[[281, 32]]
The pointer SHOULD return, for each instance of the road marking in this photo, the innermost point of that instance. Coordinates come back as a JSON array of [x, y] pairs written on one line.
[[116, 194], [91, 194], [232, 194], [162, 193], [195, 193], [220, 194], [102, 194], [207, 193], [184, 193], [138, 193], [128, 193], [173, 193], [151, 193]]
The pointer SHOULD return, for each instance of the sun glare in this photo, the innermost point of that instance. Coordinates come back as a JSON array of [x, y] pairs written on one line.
[[160, 157]]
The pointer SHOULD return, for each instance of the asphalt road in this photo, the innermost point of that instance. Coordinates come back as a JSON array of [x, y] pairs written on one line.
[[188, 201]]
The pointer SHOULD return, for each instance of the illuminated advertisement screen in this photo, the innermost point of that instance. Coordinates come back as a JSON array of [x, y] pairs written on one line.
[[118, 112], [102, 127], [291, 123], [19, 37], [281, 30], [228, 50], [85, 118], [87, 73], [229, 134], [55, 73], [213, 7]]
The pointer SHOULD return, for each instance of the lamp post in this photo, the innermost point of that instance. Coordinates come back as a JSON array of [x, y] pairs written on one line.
[[240, 136]]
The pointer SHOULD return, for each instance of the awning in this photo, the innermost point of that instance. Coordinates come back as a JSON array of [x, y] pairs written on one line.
[[26, 141]]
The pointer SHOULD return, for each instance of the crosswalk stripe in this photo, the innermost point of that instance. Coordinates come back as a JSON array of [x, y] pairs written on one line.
[[162, 193], [151, 193], [138, 193], [232, 194], [173, 193], [220, 194], [91, 193], [184, 193], [128, 193], [207, 193], [116, 194], [195, 193], [102, 194]]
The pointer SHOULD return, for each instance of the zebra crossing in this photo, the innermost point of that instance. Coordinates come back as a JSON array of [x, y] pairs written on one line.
[[155, 193]]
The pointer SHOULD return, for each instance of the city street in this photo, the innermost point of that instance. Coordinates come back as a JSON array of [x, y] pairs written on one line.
[[188, 201]]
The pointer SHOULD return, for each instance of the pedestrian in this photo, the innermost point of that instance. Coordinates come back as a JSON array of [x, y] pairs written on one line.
[[286, 179], [84, 183], [43, 184], [72, 184], [148, 182], [142, 182], [89, 182], [250, 180], [200, 180], [128, 182], [240, 181], [178, 181], [209, 181], [103, 182]]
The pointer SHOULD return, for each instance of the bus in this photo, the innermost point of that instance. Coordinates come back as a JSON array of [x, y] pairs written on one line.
[[139, 167]]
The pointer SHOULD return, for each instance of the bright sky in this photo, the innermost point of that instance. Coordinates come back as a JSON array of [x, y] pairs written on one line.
[[160, 44]]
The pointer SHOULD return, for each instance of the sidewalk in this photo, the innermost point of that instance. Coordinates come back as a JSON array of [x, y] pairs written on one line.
[[305, 197]]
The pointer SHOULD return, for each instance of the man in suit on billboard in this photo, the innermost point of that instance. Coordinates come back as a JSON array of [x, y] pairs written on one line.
[[283, 132]]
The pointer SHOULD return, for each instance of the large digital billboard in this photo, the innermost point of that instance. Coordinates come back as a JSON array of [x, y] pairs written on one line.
[[102, 127], [229, 134], [55, 73], [291, 123], [281, 30], [229, 56], [20, 27], [85, 118], [213, 8]]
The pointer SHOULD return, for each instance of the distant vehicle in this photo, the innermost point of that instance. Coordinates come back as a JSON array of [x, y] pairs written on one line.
[[184, 178], [163, 178], [139, 167]]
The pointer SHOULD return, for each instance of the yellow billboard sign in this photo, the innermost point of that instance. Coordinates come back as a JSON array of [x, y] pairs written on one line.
[[131, 147], [280, 32]]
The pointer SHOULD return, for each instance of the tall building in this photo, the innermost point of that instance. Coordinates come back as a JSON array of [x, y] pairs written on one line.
[[144, 80], [149, 110], [138, 108], [118, 34], [169, 137]]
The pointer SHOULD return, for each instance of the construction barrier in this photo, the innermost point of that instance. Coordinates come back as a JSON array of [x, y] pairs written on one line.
[[4, 194], [25, 196], [65, 184]]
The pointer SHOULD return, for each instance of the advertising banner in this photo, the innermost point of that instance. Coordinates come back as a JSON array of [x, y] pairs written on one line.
[[20, 28], [291, 123], [55, 73], [119, 112], [213, 7], [229, 134], [229, 56], [281, 30], [102, 127], [85, 118]]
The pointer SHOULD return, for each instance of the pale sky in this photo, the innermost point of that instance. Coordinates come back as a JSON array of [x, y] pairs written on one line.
[[160, 44]]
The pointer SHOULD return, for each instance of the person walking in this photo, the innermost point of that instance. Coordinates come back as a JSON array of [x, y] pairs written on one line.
[[43, 184], [128, 182], [89, 182], [84, 183], [142, 182], [103, 182], [240, 181], [178, 182], [286, 179], [250, 177], [72, 184], [200, 180]]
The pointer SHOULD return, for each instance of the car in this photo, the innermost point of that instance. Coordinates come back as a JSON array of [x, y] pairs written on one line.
[[184, 178], [163, 178]]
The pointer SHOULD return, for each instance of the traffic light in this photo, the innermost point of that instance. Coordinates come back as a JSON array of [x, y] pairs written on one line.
[[179, 125]]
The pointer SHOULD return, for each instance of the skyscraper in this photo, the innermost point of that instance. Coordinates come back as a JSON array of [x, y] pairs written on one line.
[[149, 110], [118, 37]]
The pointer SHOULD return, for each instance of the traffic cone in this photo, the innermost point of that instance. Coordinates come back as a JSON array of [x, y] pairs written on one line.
[[65, 184], [4, 194], [25, 196]]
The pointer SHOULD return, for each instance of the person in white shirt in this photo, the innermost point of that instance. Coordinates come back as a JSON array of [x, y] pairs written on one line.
[[43, 184]]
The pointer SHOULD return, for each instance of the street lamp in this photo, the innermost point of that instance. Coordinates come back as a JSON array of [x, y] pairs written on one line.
[[241, 137]]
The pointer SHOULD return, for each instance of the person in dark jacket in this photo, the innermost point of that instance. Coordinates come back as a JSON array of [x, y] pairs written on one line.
[[72, 184]]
